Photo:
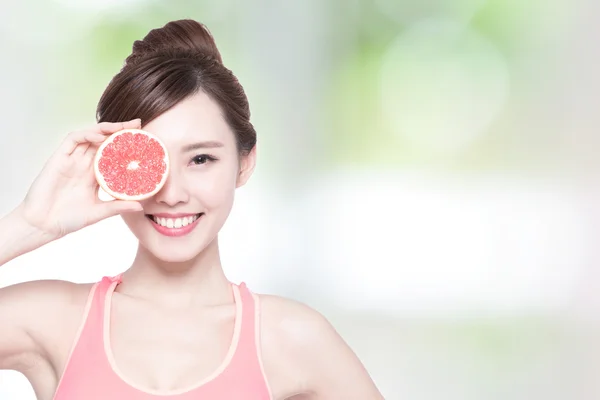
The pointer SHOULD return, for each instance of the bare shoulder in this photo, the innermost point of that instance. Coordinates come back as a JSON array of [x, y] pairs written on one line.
[[46, 288], [50, 297], [294, 320], [300, 344], [35, 316]]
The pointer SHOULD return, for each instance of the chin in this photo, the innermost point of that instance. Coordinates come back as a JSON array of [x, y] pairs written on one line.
[[173, 255], [173, 249], [170, 251]]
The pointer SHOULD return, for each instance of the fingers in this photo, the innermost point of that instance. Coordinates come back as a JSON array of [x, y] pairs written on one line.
[[112, 127], [90, 152], [81, 149], [74, 139], [96, 135], [110, 209]]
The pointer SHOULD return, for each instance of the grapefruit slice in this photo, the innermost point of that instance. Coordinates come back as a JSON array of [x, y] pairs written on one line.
[[131, 164]]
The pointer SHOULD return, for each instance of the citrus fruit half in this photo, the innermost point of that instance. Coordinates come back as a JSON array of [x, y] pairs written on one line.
[[131, 164]]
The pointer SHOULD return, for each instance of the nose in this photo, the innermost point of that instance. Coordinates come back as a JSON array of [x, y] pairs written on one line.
[[173, 192]]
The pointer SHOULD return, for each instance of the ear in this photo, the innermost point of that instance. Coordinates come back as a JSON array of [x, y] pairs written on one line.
[[247, 164]]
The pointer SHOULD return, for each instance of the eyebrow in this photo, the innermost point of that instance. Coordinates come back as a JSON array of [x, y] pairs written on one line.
[[202, 145]]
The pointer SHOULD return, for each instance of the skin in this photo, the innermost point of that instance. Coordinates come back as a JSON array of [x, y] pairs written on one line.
[[172, 281]]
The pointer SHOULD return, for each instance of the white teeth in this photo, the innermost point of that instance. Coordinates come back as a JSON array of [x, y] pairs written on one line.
[[175, 222]]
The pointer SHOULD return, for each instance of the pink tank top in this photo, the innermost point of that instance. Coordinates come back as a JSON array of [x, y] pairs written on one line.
[[90, 372]]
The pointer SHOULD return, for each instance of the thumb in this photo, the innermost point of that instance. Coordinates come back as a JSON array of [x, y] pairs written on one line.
[[116, 207]]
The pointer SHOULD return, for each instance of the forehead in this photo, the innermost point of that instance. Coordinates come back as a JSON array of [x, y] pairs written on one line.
[[197, 118]]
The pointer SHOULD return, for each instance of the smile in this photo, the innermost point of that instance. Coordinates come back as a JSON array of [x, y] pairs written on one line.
[[176, 225]]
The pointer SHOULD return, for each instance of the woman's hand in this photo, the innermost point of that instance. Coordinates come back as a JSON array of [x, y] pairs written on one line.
[[64, 196]]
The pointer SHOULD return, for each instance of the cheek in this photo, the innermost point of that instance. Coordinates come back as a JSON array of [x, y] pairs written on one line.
[[134, 221], [215, 189]]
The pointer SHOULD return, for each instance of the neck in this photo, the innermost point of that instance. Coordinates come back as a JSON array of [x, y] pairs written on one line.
[[199, 281]]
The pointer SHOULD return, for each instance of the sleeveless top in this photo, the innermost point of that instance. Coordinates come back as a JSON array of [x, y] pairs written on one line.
[[90, 372]]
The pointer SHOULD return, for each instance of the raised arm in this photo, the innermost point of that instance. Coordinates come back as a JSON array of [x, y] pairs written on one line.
[[62, 199]]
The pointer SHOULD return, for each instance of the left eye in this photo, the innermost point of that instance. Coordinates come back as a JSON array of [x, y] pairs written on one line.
[[202, 159]]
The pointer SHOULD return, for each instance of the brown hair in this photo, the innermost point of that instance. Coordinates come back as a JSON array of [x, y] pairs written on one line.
[[170, 64]]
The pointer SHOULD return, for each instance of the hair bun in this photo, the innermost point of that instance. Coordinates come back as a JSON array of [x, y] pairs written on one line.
[[184, 34]]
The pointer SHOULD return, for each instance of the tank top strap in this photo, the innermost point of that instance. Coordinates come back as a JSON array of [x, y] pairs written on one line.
[[106, 285], [95, 313], [87, 347], [246, 367], [96, 298], [248, 330], [115, 278], [93, 322], [247, 352]]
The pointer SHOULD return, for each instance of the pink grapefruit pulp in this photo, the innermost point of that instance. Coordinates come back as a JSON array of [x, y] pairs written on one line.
[[131, 164]]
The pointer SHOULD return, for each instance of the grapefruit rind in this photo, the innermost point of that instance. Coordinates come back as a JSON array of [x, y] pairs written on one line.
[[122, 196]]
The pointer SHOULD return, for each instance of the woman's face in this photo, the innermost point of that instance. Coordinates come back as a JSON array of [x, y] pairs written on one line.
[[184, 217]]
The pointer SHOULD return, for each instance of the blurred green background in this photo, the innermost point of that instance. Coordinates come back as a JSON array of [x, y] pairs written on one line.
[[426, 178]]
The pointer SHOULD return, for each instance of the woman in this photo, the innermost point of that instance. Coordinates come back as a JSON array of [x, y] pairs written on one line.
[[172, 325]]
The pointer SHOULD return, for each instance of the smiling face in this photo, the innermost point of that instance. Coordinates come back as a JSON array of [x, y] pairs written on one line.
[[185, 216]]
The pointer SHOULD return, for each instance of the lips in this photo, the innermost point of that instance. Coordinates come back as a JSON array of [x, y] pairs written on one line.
[[174, 225], [174, 222]]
